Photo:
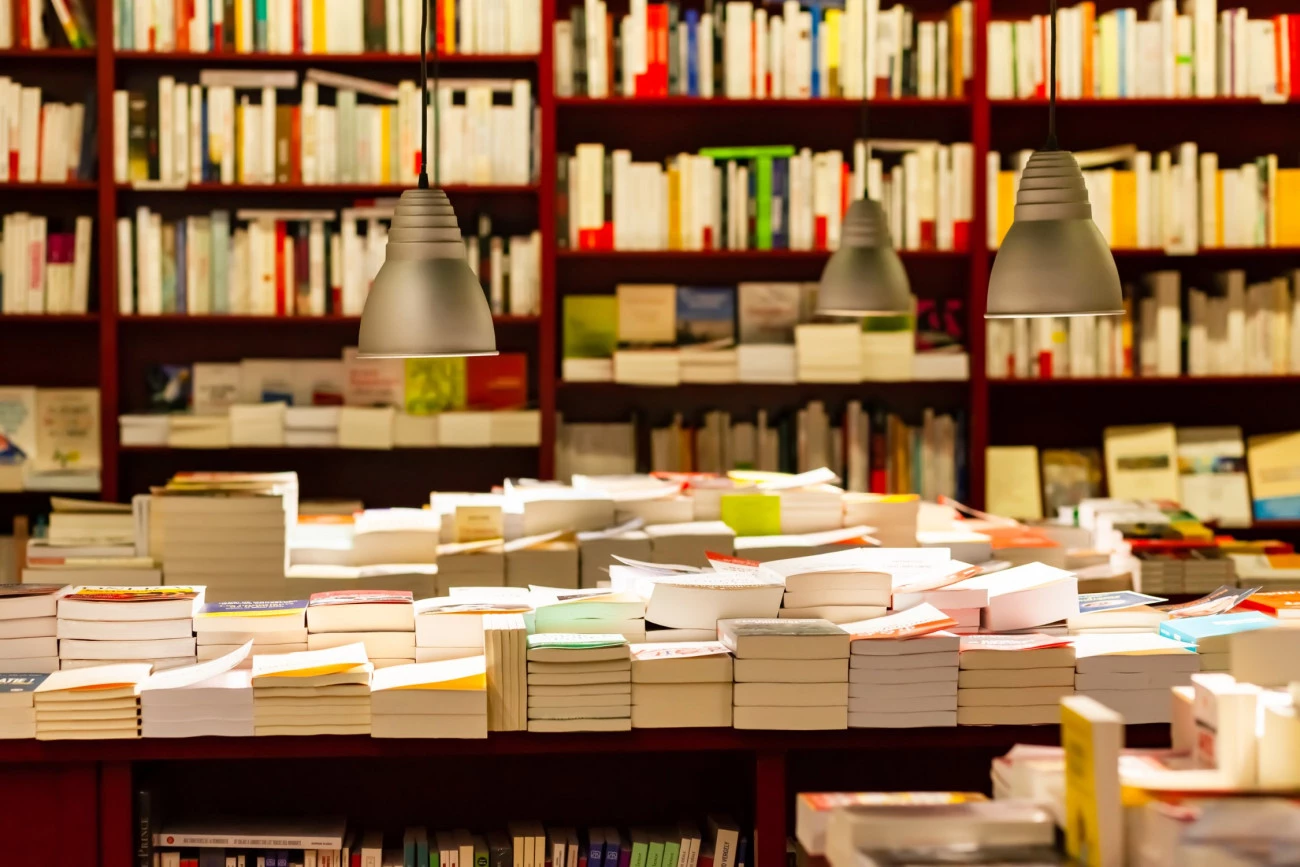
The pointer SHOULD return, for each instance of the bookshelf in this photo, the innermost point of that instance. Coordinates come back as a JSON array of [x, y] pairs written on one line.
[[109, 350]]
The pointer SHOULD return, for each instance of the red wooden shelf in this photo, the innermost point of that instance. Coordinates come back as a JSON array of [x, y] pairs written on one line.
[[1152, 381], [1141, 102], [47, 186], [727, 102], [230, 319], [315, 450], [769, 390], [737, 255], [368, 58], [47, 54], [48, 318], [375, 190]]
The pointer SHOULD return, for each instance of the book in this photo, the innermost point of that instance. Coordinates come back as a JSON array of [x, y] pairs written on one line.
[[125, 604], [361, 611], [752, 638]]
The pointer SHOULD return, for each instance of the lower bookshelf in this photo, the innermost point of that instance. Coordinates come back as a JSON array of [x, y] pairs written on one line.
[[70, 803]]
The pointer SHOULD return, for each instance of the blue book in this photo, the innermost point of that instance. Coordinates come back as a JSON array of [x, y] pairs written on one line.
[[705, 314], [126, 32], [780, 203], [816, 89], [1192, 630], [260, 40], [742, 852], [613, 848], [595, 847], [205, 162], [220, 261], [692, 52], [1122, 24], [182, 305]]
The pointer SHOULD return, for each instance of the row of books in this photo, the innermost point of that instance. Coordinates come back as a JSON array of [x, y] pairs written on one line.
[[1232, 328], [49, 439], [736, 51], [50, 142], [1179, 201], [244, 127], [292, 262], [761, 198], [43, 271], [40, 23]]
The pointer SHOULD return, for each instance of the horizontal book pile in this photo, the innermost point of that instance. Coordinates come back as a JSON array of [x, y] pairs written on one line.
[[1179, 200], [1231, 327], [762, 198], [43, 271], [51, 439], [1201, 53], [327, 27], [240, 127], [49, 142], [737, 51], [266, 262]]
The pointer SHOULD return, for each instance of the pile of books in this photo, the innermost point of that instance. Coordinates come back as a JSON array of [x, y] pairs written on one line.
[[98, 703], [446, 699], [1211, 635], [1132, 673], [681, 684], [505, 651], [579, 683], [790, 674], [50, 143], [838, 587], [29, 626], [383, 621], [315, 692], [900, 675], [1013, 679], [275, 626], [213, 698], [18, 705], [102, 625], [54, 266]]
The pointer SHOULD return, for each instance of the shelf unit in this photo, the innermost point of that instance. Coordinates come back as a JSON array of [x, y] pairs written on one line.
[[102, 347]]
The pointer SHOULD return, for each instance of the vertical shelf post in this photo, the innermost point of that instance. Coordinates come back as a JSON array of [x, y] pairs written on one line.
[[769, 808], [978, 421], [107, 230], [548, 330]]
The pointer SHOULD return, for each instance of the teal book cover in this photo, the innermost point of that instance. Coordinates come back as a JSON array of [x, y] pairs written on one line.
[[1190, 630]]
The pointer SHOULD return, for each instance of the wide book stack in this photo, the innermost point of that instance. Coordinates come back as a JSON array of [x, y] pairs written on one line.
[[272, 626], [213, 698], [29, 628], [579, 682], [790, 674], [682, 684], [18, 704], [1210, 635], [446, 699], [505, 648], [315, 692], [96, 703], [836, 587], [1132, 673], [451, 627], [99, 625], [903, 673], [590, 612], [1013, 679], [382, 620]]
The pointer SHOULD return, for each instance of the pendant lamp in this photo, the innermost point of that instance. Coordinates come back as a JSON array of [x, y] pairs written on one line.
[[1053, 261], [864, 277], [425, 302]]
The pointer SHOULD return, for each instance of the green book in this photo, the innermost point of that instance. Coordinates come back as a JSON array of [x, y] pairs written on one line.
[[761, 167], [480, 851], [435, 385], [655, 852], [573, 641], [672, 850], [640, 848], [590, 326]]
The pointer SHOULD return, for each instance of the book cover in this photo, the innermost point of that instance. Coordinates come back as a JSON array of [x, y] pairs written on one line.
[[361, 597], [270, 608], [373, 381], [1092, 736], [705, 315], [1192, 629], [67, 429], [497, 381], [17, 435], [768, 312], [1212, 475], [1274, 486], [1141, 462], [590, 326], [21, 682], [435, 385], [1070, 476], [170, 387], [132, 594], [647, 315]]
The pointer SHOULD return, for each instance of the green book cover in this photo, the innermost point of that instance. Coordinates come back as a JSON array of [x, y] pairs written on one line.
[[590, 326], [572, 641], [435, 385], [640, 848], [672, 852], [655, 852], [480, 852]]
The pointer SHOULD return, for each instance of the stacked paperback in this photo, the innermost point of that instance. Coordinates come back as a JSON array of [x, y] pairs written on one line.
[[213, 698], [681, 684], [29, 628], [505, 648], [382, 620], [91, 703], [273, 627], [836, 587], [1132, 673], [579, 683], [18, 705], [789, 674], [1210, 635], [446, 699], [99, 625], [315, 692], [1013, 679], [903, 670]]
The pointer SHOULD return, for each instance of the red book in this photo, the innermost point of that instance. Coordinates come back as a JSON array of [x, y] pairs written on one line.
[[280, 294], [1294, 29], [961, 235], [183, 12], [708, 238], [1045, 365], [295, 144], [297, 26], [928, 235], [24, 25], [846, 187], [819, 233], [497, 381]]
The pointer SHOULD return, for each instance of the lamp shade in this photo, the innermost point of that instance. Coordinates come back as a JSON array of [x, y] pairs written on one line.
[[1053, 261], [864, 277], [425, 301]]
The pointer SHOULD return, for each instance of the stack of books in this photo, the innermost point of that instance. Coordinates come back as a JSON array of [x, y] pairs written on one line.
[[228, 529], [382, 620], [18, 705], [900, 674], [446, 699], [836, 587], [1132, 673], [29, 628], [1013, 679], [315, 692], [91, 703], [591, 612], [51, 142], [682, 684], [579, 683], [214, 698], [1210, 635], [100, 625], [505, 647], [451, 627], [790, 674], [273, 627]]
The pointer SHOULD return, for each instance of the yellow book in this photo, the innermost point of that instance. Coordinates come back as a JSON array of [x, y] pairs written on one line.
[[1092, 736], [448, 10], [956, 34], [1271, 460], [239, 137], [1217, 240], [1123, 210], [1286, 207], [674, 207], [833, 52], [241, 29], [386, 144], [1006, 203], [317, 26]]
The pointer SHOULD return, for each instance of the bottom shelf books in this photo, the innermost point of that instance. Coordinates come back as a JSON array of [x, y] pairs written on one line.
[[333, 842]]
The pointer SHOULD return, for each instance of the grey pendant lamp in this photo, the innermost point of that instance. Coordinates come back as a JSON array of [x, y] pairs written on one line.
[[864, 277], [1054, 260], [425, 302]]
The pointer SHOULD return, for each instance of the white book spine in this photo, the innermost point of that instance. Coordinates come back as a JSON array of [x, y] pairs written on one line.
[[121, 165]]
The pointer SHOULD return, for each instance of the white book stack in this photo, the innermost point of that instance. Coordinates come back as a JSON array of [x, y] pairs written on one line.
[[686, 684], [964, 605], [18, 704], [196, 431], [228, 531], [765, 549], [505, 646], [661, 367], [837, 587], [1013, 679], [908, 683], [587, 612], [688, 543], [315, 692], [766, 362], [579, 683], [1132, 674], [597, 548], [102, 625], [1140, 618], [311, 426], [828, 352], [1025, 597], [708, 364], [29, 628], [211, 699], [789, 674], [451, 627], [44, 137], [91, 704], [687, 605], [446, 699], [273, 627], [892, 517], [143, 430], [257, 425], [382, 620]]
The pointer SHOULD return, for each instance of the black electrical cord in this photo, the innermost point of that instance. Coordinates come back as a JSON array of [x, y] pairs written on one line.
[[1051, 91]]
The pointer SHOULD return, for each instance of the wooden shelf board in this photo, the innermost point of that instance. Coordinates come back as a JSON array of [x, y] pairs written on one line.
[[312, 450], [596, 104], [235, 320], [1150, 381], [47, 54], [373, 190], [48, 318], [736, 255], [230, 58], [1140, 102], [48, 186], [770, 389]]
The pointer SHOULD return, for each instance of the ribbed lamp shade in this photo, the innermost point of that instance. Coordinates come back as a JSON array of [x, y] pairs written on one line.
[[425, 301], [864, 277], [1053, 261]]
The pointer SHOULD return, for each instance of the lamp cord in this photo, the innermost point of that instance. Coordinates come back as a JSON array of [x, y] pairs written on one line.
[[1051, 92], [424, 95], [866, 124]]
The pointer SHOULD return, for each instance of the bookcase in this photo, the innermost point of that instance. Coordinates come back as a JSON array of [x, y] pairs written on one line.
[[110, 351]]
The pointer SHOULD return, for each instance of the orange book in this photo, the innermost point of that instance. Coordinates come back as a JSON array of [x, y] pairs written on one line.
[[295, 146], [1286, 206], [1089, 13], [1123, 210], [1283, 604]]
